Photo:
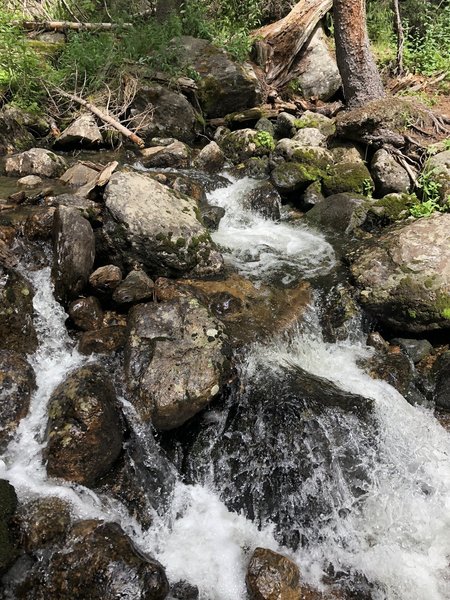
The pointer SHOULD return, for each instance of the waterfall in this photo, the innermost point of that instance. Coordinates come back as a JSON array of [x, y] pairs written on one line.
[[367, 484]]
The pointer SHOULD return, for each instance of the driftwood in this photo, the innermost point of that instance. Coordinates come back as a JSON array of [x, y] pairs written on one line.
[[279, 44], [70, 25], [104, 117]]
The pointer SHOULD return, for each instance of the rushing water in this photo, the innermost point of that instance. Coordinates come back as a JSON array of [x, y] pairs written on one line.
[[392, 528]]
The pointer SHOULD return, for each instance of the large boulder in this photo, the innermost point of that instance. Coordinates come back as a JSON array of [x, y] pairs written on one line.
[[338, 214], [84, 430], [317, 72], [36, 161], [17, 382], [171, 115], [437, 169], [174, 360], [404, 275], [224, 85], [97, 562], [156, 227], [73, 253], [16, 313], [82, 133]]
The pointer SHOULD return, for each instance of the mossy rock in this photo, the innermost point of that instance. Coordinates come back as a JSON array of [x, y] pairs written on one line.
[[347, 177], [292, 176], [317, 157], [394, 207], [310, 119]]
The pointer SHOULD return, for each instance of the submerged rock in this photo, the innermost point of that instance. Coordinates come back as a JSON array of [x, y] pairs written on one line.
[[43, 522], [73, 253], [157, 227], [84, 430], [97, 562], [404, 275], [17, 382], [36, 161], [174, 360]]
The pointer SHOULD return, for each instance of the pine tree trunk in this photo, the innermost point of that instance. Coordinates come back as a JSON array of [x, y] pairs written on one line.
[[360, 77]]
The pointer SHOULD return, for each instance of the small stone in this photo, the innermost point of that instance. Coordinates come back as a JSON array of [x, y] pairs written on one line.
[[86, 313], [106, 278], [36, 161], [210, 158], [415, 349], [103, 341], [136, 287], [30, 181]]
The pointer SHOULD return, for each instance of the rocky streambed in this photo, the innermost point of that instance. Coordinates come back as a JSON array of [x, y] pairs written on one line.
[[221, 370]]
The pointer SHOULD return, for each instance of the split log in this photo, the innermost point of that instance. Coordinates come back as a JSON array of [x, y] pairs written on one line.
[[70, 25], [279, 44], [104, 117]]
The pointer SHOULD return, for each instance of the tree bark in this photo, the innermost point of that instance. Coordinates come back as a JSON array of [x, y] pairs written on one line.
[[400, 37], [360, 77], [279, 44]]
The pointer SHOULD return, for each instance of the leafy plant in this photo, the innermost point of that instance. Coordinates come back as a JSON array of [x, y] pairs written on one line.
[[265, 140], [424, 209], [367, 188]]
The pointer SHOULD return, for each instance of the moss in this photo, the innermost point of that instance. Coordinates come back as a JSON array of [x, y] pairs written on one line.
[[347, 177], [291, 176], [311, 156], [446, 313], [323, 124], [396, 206]]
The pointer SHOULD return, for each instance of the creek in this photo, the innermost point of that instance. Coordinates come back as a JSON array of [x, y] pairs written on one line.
[[304, 453]]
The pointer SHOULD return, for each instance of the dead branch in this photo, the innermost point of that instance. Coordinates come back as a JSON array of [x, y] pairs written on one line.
[[70, 25], [105, 118]]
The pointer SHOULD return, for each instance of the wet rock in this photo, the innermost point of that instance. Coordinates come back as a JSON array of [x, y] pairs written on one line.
[[211, 216], [43, 522], [30, 181], [84, 431], [171, 114], [265, 200], [389, 177], [176, 155], [36, 161], [78, 175], [73, 253], [98, 562], [86, 313], [224, 85], [8, 505], [189, 186], [441, 374], [438, 169], [350, 177], [106, 278], [82, 133], [182, 590], [181, 339], [103, 341], [258, 451], [244, 143], [210, 158], [17, 382], [16, 313], [157, 227], [317, 72], [404, 275], [340, 213], [271, 576], [39, 224], [394, 367], [416, 350], [136, 287]]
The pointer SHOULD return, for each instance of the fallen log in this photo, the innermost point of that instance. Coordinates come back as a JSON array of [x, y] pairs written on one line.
[[279, 44], [70, 25], [104, 117]]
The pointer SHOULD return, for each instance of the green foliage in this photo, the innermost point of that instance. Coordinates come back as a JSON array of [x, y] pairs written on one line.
[[424, 209], [367, 188], [263, 139], [430, 191], [20, 66]]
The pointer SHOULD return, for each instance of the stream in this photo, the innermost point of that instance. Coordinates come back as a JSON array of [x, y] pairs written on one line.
[[306, 454]]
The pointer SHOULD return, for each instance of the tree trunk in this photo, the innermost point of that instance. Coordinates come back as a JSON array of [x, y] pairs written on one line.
[[360, 77], [279, 44]]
